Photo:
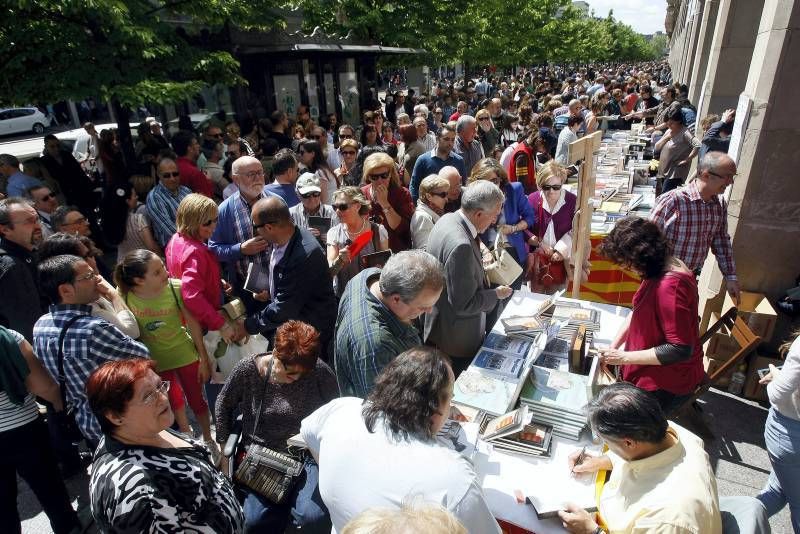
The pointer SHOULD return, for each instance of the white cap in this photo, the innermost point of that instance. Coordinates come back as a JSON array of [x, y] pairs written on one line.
[[308, 183]]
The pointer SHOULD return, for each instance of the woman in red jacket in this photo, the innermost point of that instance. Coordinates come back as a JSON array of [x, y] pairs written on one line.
[[661, 337]]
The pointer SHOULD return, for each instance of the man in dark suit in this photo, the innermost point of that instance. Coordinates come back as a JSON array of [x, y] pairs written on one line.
[[457, 324], [300, 287]]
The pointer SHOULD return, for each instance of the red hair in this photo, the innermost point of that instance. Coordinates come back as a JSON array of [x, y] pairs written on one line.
[[297, 343], [110, 387]]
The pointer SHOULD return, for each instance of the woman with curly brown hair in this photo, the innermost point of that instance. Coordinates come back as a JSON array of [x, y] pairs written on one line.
[[396, 429], [661, 337]]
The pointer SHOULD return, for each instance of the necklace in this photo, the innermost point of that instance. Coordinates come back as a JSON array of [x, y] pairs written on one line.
[[359, 232]]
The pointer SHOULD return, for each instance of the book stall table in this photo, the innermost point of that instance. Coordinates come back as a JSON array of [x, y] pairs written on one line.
[[618, 177], [524, 492]]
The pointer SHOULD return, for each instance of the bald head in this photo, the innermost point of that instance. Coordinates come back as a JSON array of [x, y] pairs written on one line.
[[242, 162], [271, 210], [452, 176]]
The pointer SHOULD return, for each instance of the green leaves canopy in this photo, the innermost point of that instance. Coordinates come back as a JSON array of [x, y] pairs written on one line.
[[133, 51]]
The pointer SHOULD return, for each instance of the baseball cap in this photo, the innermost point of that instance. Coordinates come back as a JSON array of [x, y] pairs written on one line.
[[308, 183]]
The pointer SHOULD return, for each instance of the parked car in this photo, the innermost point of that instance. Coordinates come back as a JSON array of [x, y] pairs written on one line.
[[17, 120]]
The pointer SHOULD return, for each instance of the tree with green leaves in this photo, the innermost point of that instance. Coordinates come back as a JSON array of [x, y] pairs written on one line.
[[125, 51]]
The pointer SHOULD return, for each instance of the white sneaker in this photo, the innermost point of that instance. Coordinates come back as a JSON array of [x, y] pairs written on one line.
[[213, 448]]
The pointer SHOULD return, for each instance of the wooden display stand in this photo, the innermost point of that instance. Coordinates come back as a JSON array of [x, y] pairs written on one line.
[[584, 149]]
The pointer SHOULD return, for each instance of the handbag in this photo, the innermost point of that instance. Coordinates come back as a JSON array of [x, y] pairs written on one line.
[[270, 473], [504, 270], [546, 273], [64, 421]]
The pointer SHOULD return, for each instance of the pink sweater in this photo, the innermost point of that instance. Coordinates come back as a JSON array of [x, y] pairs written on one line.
[[198, 270]]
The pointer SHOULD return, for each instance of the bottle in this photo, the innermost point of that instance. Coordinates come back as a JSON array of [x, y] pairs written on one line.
[[737, 380]]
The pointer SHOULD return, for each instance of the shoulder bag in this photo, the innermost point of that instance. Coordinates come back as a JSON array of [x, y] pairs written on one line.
[[504, 270], [270, 473], [65, 424]]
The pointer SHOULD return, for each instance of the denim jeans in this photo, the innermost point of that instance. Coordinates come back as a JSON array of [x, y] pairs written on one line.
[[303, 509], [26, 451], [782, 436]]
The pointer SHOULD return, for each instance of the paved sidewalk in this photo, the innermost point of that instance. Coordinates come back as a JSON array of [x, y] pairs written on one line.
[[737, 453]]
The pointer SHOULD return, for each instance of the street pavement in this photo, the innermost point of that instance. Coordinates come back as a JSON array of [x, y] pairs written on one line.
[[737, 453]]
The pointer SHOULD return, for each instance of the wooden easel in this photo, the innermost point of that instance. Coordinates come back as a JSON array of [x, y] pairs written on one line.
[[584, 149]]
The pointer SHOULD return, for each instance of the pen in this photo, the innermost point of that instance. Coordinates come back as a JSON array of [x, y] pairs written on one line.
[[579, 460]]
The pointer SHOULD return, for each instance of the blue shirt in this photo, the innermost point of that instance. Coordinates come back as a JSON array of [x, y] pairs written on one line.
[[429, 163], [20, 182], [88, 343], [286, 191]]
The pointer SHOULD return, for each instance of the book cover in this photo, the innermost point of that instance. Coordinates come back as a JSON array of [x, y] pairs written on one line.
[[375, 259], [499, 363], [507, 344], [479, 389], [506, 424], [323, 224]]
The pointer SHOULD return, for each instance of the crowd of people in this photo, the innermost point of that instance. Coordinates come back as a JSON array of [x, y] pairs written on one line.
[[360, 252]]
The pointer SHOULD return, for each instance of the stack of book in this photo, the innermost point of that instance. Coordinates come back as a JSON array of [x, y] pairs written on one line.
[[525, 327], [557, 398], [494, 379], [515, 433], [576, 315]]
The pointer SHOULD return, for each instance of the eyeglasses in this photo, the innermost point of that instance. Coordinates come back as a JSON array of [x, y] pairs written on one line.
[[315, 194], [345, 136], [551, 188], [440, 195], [349, 152], [257, 226], [91, 275], [211, 221], [170, 174], [341, 207], [721, 177], [47, 197], [162, 388], [380, 176], [252, 175]]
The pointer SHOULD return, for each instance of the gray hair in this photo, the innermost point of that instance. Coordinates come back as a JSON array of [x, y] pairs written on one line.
[[464, 121], [421, 109], [481, 195], [712, 161], [406, 274]]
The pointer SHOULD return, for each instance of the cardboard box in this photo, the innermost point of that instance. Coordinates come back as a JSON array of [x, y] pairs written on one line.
[[721, 346], [756, 311], [711, 365], [752, 389]]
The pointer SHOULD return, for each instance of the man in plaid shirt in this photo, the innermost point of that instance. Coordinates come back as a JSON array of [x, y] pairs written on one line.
[[695, 218], [89, 341]]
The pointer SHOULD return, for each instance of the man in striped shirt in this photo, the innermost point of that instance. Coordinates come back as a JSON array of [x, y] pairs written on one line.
[[163, 200], [88, 341], [695, 218]]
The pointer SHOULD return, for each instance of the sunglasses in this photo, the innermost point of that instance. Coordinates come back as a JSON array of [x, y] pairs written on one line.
[[440, 195], [345, 136], [381, 176], [349, 152], [216, 136], [551, 188], [211, 221], [47, 197], [315, 194], [170, 174], [341, 207]]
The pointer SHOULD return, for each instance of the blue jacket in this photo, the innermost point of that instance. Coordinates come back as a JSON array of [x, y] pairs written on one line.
[[303, 290], [518, 209]]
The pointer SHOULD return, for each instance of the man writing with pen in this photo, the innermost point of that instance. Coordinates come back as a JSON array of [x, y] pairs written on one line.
[[661, 479]]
